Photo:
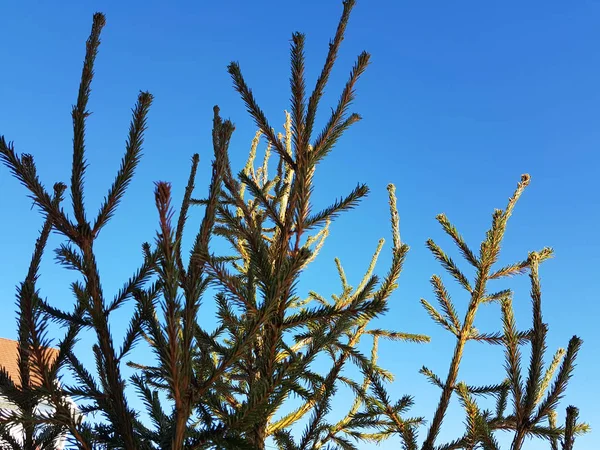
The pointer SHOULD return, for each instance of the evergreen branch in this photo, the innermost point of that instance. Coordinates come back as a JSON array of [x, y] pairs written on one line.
[[473, 416], [69, 257], [571, 422], [334, 46], [341, 205], [372, 265], [185, 203], [513, 357], [521, 267], [136, 282], [23, 168], [547, 433], [438, 318], [432, 377], [552, 424], [490, 248], [338, 122], [222, 131], [150, 398], [342, 274], [234, 286], [502, 400], [261, 195], [497, 296], [547, 378], [258, 115], [80, 114], [84, 377], [562, 378], [449, 265], [493, 389], [399, 336], [458, 240], [361, 397], [538, 340], [130, 161], [499, 338], [394, 216], [62, 316], [298, 89], [445, 301], [511, 270], [133, 334], [390, 281], [364, 310], [284, 440]]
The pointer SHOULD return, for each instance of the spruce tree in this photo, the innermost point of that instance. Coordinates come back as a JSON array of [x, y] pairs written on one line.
[[227, 387]]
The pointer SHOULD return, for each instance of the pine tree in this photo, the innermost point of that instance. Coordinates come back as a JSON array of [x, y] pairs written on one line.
[[228, 387]]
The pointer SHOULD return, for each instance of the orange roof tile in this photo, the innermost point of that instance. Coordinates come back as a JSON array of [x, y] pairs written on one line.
[[9, 352]]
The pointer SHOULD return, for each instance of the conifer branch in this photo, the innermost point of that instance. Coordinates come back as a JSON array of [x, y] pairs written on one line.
[[341, 205], [571, 422], [497, 296], [395, 218], [79, 116], [549, 375], [260, 194], [513, 357], [498, 338], [445, 302], [449, 264], [521, 267], [438, 318], [185, 204], [23, 168], [538, 341], [135, 283], [562, 378], [298, 89], [334, 47], [458, 240], [398, 336], [129, 162], [338, 122], [258, 115]]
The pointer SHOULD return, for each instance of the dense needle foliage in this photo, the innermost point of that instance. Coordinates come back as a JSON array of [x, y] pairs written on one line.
[[228, 387]]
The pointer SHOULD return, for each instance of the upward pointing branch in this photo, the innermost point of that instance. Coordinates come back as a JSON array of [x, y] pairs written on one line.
[[297, 85], [79, 115], [133, 153], [334, 47], [257, 114]]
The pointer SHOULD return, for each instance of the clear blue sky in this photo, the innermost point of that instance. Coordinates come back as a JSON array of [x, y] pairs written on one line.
[[460, 99]]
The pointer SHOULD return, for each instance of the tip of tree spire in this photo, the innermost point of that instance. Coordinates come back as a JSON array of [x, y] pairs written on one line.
[[233, 67], [145, 96], [99, 19]]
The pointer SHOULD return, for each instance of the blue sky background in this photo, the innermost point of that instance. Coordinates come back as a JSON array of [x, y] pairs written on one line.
[[460, 99]]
